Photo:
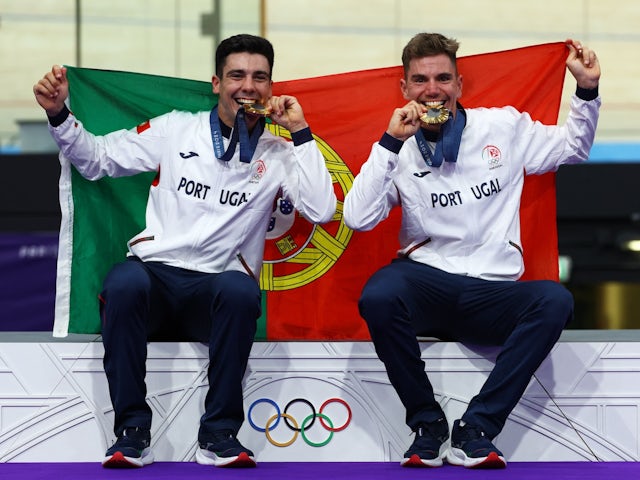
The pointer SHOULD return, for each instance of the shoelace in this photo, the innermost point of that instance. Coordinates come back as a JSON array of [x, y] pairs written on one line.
[[133, 435], [470, 432], [430, 429]]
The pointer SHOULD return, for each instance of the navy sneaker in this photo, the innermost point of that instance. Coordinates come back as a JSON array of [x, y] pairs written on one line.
[[429, 446], [131, 449], [471, 448], [223, 449]]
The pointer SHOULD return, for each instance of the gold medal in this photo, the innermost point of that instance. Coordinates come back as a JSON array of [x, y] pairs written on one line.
[[257, 109], [436, 113]]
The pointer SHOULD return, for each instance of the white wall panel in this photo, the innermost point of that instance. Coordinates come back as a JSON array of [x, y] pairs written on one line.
[[53, 394]]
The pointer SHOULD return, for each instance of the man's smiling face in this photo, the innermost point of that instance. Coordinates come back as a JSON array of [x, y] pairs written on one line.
[[246, 78], [432, 79]]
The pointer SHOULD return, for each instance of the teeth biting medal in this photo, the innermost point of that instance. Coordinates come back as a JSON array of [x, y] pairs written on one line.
[[257, 109], [436, 113]]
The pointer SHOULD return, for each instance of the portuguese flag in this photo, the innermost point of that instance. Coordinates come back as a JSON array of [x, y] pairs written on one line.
[[312, 275]]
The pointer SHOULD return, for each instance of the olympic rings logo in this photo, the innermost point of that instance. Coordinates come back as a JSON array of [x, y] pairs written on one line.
[[292, 423]]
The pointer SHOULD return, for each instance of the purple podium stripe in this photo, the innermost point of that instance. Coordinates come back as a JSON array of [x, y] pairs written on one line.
[[323, 471]]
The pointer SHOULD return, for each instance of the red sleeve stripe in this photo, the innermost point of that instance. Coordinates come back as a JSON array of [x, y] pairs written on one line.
[[143, 126]]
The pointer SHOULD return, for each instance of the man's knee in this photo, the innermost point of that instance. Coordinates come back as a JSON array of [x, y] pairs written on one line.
[[558, 295], [380, 301], [126, 289], [239, 290], [557, 302], [125, 280]]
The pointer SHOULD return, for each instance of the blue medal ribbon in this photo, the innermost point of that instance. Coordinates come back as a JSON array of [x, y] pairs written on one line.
[[248, 142], [448, 143]]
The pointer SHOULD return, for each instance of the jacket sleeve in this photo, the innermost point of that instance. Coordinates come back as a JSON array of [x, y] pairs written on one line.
[[309, 186], [374, 193], [569, 143], [117, 154]]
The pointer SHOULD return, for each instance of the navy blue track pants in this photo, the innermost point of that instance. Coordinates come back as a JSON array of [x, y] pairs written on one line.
[[143, 301], [406, 299]]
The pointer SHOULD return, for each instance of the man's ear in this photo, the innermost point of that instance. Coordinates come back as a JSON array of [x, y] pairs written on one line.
[[215, 84], [403, 89]]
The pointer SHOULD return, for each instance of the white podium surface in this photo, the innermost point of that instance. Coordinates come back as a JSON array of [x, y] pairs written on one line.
[[582, 405]]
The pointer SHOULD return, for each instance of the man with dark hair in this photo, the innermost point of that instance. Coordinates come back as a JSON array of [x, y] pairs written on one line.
[[243, 43], [192, 273], [458, 174]]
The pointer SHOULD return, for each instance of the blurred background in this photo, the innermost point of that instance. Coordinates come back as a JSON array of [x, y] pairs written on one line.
[[598, 203]]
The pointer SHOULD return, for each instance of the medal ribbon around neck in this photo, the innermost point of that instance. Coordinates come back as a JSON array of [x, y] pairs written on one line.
[[248, 143], [448, 143]]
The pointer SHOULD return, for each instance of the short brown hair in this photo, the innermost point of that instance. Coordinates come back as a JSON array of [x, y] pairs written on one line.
[[428, 45]]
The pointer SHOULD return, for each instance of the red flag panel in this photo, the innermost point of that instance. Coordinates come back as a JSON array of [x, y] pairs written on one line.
[[329, 264]]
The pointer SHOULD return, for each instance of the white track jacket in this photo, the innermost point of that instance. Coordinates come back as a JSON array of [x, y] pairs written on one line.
[[203, 214], [463, 217]]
